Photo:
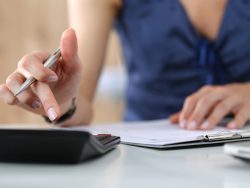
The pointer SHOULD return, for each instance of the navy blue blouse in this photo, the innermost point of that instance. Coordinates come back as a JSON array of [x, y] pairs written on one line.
[[167, 60]]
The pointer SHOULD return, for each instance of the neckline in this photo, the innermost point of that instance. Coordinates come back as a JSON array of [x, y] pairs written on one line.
[[194, 30]]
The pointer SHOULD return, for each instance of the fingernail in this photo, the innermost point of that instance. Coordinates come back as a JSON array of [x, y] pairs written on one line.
[[192, 125], [36, 104], [205, 125], [232, 126], [52, 78], [183, 123], [52, 114]]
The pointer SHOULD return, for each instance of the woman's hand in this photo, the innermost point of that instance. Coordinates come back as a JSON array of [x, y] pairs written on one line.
[[207, 107], [52, 94]]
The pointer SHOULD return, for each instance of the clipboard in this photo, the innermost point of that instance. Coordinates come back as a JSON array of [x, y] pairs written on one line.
[[212, 139], [202, 140], [163, 134]]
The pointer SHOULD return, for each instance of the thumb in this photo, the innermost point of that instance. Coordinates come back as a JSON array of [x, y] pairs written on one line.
[[69, 46]]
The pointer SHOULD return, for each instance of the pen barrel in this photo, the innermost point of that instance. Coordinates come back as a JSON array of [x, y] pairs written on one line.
[[25, 85], [52, 59]]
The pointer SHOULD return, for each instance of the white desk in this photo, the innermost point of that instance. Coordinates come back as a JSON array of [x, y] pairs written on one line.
[[129, 167]]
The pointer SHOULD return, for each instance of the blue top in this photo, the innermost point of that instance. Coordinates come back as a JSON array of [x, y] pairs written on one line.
[[167, 60]]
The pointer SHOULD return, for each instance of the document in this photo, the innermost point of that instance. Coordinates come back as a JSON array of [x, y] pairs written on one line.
[[164, 134]]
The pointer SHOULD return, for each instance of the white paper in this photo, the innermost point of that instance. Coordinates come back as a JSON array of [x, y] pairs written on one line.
[[150, 133]]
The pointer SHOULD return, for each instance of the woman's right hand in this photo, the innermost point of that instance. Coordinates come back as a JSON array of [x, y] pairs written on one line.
[[52, 94]]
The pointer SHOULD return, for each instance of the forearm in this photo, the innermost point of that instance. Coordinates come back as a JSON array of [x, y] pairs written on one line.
[[92, 20]]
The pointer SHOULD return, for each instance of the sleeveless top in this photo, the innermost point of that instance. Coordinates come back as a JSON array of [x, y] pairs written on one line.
[[167, 60]]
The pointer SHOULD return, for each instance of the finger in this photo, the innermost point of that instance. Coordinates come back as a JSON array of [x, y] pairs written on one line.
[[32, 65], [41, 55], [7, 96], [190, 103], [47, 98], [175, 118], [204, 106], [219, 112], [13, 83], [239, 120], [69, 48]]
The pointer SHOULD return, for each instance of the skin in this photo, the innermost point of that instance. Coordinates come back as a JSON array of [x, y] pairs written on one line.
[[45, 96], [205, 108], [76, 75]]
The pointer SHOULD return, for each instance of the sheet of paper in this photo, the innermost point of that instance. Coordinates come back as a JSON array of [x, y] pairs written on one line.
[[155, 133]]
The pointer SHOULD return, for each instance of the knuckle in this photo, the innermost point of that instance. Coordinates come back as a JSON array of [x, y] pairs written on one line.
[[19, 63], [13, 80], [20, 78], [221, 89], [207, 88], [44, 72], [10, 101], [204, 101], [190, 100], [24, 62], [223, 106], [6, 96], [9, 80], [26, 57], [40, 76]]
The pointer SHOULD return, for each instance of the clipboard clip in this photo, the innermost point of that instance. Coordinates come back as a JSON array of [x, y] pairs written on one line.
[[225, 135]]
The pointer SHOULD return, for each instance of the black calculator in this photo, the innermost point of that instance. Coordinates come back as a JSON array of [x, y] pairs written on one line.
[[53, 145]]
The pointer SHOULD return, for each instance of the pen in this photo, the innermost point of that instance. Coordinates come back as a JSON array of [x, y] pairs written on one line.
[[51, 60]]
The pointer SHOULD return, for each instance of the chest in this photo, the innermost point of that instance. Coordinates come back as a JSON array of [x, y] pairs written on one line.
[[206, 16]]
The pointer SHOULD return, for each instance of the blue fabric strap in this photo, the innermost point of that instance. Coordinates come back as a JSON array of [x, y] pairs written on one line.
[[208, 58]]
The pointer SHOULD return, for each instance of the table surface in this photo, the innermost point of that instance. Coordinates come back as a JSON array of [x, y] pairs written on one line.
[[129, 166]]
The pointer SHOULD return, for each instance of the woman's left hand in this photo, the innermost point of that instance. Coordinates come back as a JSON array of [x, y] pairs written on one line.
[[205, 108]]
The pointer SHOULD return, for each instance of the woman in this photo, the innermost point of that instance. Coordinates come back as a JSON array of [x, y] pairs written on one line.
[[187, 56]]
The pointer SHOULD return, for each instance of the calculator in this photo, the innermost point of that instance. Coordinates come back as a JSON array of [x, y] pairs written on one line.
[[53, 145]]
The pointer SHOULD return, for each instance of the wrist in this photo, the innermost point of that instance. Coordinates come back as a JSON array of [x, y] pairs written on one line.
[[64, 108], [82, 116], [65, 115]]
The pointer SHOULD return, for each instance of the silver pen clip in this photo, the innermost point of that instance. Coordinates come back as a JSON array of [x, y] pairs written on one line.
[[224, 135]]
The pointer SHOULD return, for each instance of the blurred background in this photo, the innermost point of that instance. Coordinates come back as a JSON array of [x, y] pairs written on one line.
[[29, 25]]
